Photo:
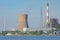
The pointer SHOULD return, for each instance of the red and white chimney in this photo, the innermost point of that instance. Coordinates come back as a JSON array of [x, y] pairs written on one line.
[[47, 13]]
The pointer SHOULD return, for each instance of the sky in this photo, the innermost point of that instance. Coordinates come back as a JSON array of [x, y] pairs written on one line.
[[10, 9]]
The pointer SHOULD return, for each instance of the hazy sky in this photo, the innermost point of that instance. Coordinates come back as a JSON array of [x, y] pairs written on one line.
[[10, 9]]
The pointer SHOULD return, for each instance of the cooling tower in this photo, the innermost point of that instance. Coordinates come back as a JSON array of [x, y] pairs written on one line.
[[22, 22]]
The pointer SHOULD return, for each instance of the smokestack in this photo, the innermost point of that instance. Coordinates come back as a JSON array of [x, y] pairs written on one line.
[[47, 13]]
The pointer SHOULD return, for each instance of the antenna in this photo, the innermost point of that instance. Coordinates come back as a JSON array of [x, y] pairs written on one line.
[[4, 24], [41, 20]]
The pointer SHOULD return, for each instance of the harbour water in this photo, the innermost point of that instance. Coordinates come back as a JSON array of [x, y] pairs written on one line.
[[29, 37]]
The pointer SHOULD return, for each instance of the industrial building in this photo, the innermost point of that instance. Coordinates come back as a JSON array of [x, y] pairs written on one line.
[[22, 22], [50, 22], [53, 22]]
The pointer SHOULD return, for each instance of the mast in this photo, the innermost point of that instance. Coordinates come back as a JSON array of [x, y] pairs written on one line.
[[4, 24], [41, 20]]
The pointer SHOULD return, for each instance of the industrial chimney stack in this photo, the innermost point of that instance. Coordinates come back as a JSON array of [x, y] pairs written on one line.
[[47, 13]]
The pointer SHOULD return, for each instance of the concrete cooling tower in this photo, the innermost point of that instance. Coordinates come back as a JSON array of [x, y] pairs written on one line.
[[22, 22]]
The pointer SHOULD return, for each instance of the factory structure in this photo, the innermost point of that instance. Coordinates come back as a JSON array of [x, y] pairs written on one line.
[[53, 22], [22, 22], [50, 22]]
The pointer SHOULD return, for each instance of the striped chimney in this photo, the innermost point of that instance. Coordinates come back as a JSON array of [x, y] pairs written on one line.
[[47, 11]]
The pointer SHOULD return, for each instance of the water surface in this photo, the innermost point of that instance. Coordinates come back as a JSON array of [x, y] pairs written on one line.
[[29, 37]]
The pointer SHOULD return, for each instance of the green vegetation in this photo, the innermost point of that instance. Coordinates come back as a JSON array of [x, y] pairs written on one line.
[[58, 27], [21, 33], [0, 34], [34, 33]]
